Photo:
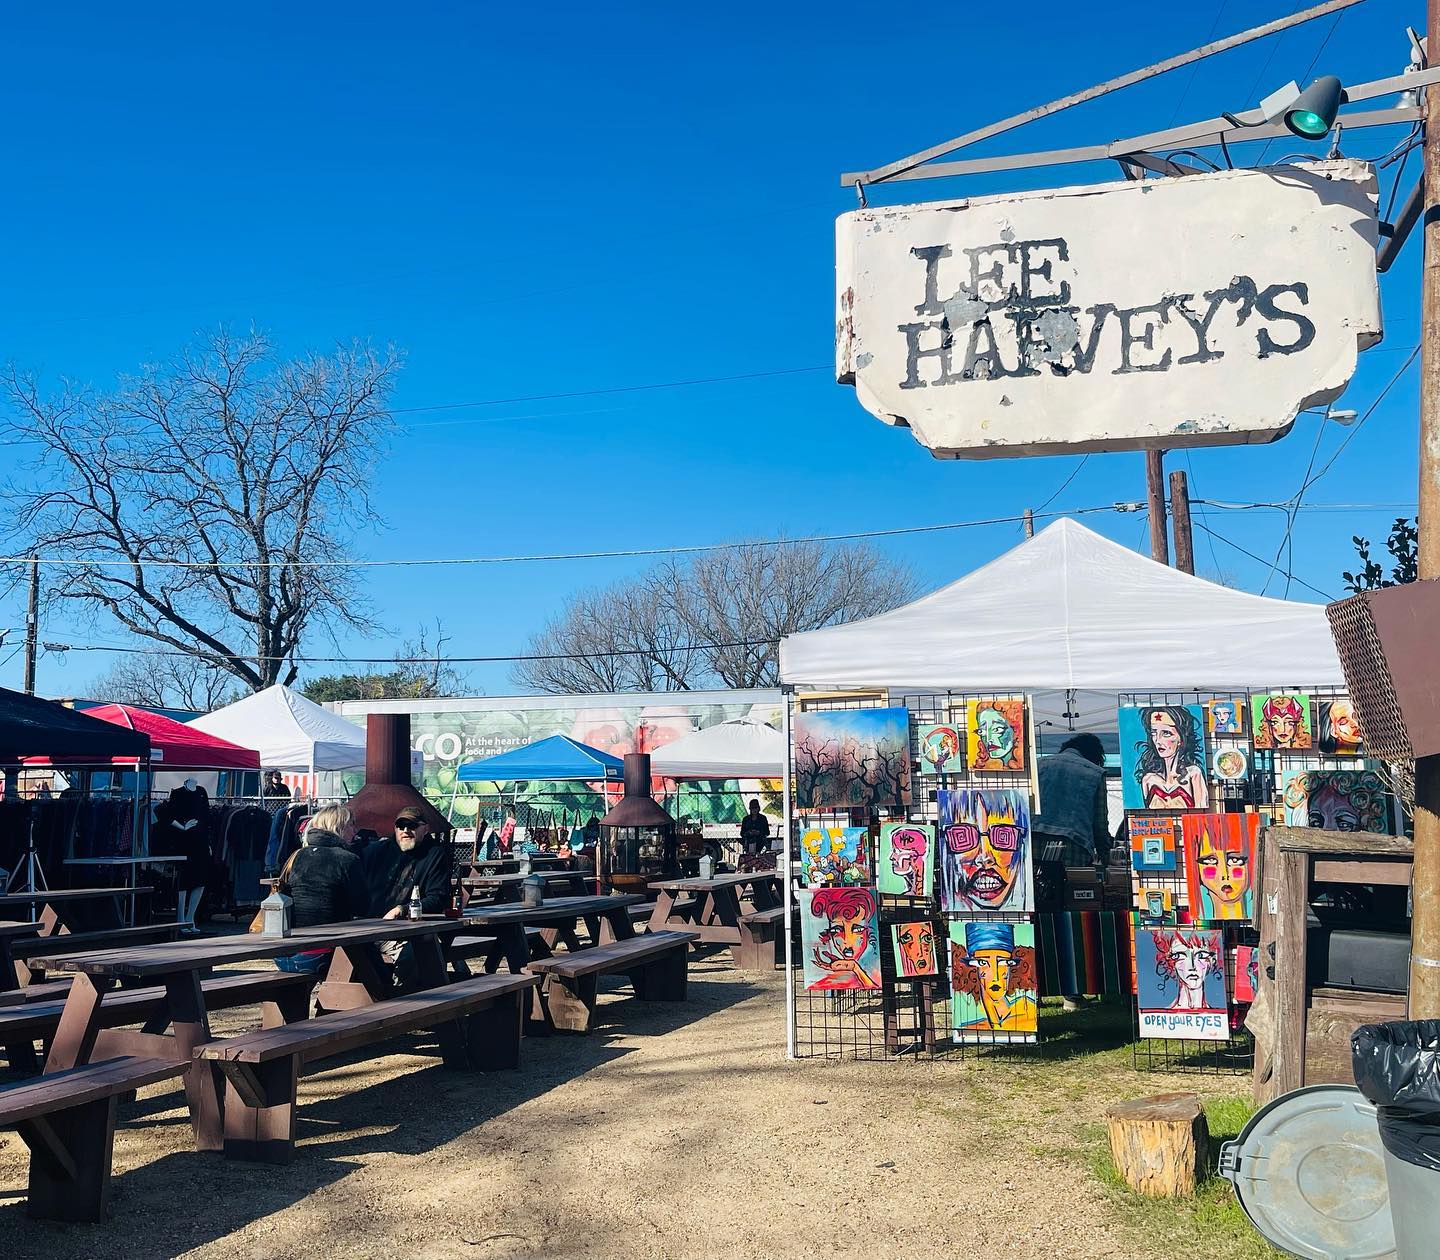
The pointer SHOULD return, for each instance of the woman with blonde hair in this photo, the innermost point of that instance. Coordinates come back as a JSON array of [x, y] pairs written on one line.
[[325, 881]]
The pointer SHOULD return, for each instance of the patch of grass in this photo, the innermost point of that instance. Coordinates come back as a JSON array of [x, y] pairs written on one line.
[[1212, 1223]]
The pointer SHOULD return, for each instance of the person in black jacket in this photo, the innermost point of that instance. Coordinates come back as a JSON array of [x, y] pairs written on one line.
[[325, 882], [394, 867], [410, 858]]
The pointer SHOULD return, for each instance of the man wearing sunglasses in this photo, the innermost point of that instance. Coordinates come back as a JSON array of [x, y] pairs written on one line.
[[408, 859], [398, 863]]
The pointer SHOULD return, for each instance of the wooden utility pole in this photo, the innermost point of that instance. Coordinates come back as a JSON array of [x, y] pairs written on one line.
[[1155, 491], [1029, 522], [32, 628], [1425, 888], [1180, 521]]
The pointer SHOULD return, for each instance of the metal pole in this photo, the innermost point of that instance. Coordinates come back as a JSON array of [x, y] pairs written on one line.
[[32, 628], [1425, 886], [1155, 492], [1180, 517], [1029, 522], [787, 826]]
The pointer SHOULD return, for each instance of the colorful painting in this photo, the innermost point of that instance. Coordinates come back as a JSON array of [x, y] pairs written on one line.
[[1162, 757], [995, 735], [1247, 973], [905, 865], [1180, 984], [839, 939], [835, 856], [994, 981], [852, 757], [1225, 715], [1231, 765], [1220, 865], [985, 857], [1154, 842], [1338, 800], [942, 749], [1281, 720], [1337, 728], [914, 948], [1157, 906]]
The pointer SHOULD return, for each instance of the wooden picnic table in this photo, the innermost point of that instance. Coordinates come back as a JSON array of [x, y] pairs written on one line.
[[10, 932], [606, 919], [508, 887], [352, 979], [57, 907], [713, 908], [511, 865]]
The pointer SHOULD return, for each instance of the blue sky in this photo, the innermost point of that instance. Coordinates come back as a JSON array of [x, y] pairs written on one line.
[[550, 199]]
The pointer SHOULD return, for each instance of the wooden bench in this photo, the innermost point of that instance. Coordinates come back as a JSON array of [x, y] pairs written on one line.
[[478, 1021], [78, 942], [67, 1119], [283, 995], [758, 937], [655, 964]]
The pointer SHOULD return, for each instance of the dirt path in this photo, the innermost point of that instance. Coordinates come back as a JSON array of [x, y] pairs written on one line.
[[676, 1131]]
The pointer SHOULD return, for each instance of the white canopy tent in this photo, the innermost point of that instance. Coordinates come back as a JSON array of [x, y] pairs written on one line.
[[739, 749], [290, 733], [1074, 619]]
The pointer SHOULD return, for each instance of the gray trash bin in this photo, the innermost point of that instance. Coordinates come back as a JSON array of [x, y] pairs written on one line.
[[1309, 1171], [1397, 1067]]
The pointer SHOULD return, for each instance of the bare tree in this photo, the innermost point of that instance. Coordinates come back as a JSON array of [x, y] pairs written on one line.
[[623, 638], [715, 619], [420, 672], [169, 681], [202, 499]]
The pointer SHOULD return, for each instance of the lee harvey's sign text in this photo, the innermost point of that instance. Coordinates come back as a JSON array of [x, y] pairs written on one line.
[[1191, 311]]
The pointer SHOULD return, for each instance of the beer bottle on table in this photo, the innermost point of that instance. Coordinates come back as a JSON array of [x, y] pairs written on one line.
[[415, 902]]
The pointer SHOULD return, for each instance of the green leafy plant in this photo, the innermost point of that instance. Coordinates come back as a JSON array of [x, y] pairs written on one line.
[[1403, 544]]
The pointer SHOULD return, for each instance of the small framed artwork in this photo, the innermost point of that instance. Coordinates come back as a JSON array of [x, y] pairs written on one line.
[[1337, 728], [1157, 906], [1230, 765], [1153, 842], [1225, 715], [1281, 721], [942, 748]]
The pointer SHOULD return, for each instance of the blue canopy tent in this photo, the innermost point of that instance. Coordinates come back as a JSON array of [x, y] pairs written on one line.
[[556, 759]]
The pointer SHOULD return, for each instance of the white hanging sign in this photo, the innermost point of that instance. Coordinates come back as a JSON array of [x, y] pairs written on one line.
[[1199, 310]]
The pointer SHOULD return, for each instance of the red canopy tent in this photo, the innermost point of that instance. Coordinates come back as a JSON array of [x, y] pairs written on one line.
[[173, 745]]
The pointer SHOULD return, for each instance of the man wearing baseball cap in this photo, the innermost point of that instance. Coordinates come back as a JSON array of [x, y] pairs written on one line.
[[409, 858]]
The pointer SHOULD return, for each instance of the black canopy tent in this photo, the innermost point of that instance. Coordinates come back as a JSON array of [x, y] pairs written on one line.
[[32, 727]]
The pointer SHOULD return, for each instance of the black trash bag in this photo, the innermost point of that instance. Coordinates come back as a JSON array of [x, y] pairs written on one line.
[[1397, 1067]]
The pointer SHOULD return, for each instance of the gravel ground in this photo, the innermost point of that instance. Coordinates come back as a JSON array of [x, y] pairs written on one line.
[[673, 1131]]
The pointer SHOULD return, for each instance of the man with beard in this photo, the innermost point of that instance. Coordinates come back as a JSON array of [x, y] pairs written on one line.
[[397, 865]]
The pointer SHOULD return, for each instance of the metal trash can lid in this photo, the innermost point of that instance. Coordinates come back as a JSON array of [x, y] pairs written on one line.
[[1309, 1171]]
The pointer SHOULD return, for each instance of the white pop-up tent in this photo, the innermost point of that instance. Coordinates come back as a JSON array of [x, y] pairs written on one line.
[[739, 749], [1074, 619], [290, 733]]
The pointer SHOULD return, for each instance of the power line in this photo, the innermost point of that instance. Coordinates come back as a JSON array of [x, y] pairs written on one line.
[[1064, 485], [1229, 542], [216, 657], [1369, 411], [623, 554]]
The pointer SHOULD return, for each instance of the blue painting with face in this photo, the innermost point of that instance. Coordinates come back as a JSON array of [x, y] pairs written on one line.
[[1162, 757]]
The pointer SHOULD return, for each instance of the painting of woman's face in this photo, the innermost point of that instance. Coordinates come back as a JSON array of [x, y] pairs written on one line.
[[915, 948], [1191, 964], [1164, 735], [1225, 875]]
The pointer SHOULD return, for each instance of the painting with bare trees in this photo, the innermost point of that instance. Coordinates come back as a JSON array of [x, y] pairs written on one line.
[[846, 758]]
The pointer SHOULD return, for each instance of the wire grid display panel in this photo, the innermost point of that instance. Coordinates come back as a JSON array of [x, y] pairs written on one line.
[[907, 1016], [1260, 790]]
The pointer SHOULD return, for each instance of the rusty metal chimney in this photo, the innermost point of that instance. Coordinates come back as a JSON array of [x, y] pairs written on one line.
[[388, 788], [637, 808]]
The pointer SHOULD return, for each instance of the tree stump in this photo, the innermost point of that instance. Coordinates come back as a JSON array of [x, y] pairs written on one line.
[[1160, 1143]]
